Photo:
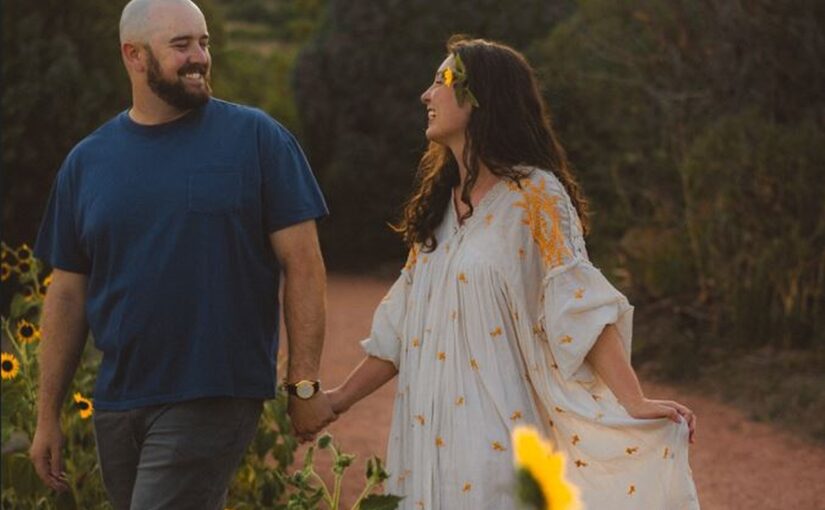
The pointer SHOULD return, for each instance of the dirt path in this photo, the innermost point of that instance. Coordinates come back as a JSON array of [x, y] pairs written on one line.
[[737, 464]]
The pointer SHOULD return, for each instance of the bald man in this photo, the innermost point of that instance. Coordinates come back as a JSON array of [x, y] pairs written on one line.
[[168, 229]]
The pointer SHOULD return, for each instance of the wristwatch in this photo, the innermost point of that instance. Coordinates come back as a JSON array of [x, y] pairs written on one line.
[[303, 389]]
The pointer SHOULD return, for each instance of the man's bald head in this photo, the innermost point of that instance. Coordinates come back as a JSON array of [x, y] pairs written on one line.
[[140, 18]]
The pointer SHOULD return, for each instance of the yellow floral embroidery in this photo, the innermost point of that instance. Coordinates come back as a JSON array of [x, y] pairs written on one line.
[[467, 487], [631, 490], [459, 401], [424, 259], [631, 451], [580, 463], [539, 207], [419, 504], [473, 364], [516, 416], [438, 441], [579, 293], [488, 219], [420, 418], [412, 258], [538, 329], [521, 253], [566, 339], [442, 356], [575, 439], [599, 416], [416, 342], [497, 446], [496, 332], [558, 409], [462, 277], [667, 451]]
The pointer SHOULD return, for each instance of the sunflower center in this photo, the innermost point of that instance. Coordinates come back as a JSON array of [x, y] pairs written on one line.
[[7, 365], [83, 406], [27, 331]]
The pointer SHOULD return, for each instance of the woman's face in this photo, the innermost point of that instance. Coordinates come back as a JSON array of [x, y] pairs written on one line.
[[446, 120]]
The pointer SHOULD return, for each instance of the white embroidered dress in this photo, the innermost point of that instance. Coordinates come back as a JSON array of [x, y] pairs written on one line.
[[491, 331]]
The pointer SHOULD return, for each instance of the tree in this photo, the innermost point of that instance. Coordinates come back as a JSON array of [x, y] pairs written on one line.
[[357, 88]]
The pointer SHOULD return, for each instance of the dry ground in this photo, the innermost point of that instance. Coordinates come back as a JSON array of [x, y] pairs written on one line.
[[737, 464]]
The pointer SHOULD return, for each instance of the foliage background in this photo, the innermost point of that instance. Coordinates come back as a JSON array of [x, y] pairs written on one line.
[[696, 127]]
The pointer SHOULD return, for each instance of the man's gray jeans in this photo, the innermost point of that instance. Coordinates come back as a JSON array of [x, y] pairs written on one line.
[[176, 456]]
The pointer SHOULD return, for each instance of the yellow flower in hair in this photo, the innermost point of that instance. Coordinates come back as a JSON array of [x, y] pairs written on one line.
[[27, 332], [541, 481], [83, 405], [448, 77], [47, 280], [9, 365]]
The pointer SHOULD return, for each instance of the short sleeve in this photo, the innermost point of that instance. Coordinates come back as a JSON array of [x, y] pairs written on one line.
[[290, 192], [388, 321], [58, 242], [578, 303]]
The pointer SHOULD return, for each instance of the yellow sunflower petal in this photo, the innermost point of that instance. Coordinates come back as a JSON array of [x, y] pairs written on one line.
[[448, 77], [83, 405], [547, 467]]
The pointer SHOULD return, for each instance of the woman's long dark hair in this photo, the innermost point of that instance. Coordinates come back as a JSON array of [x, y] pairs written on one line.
[[510, 128]]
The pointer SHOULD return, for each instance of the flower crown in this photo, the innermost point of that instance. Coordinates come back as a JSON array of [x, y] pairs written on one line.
[[457, 80]]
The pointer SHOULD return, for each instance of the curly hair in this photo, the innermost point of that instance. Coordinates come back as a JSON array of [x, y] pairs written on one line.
[[510, 129]]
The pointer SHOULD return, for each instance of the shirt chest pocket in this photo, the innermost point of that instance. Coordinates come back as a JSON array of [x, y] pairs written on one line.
[[214, 192]]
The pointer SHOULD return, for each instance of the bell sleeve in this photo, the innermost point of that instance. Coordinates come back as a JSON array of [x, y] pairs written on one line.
[[387, 328], [579, 302]]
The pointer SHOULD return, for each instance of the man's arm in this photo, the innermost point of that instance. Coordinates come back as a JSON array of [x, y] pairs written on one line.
[[299, 254], [64, 330]]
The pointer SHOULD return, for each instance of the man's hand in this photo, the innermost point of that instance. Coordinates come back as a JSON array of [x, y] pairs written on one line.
[[310, 416], [46, 455]]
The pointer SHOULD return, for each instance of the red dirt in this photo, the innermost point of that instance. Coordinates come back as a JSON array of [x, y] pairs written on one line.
[[737, 464]]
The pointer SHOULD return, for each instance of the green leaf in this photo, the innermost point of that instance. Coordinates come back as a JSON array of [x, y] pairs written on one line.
[[380, 502], [324, 441]]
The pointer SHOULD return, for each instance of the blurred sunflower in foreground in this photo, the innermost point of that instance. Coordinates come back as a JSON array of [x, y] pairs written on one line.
[[540, 480]]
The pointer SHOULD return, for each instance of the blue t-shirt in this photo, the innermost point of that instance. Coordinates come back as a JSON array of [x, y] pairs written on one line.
[[171, 224]]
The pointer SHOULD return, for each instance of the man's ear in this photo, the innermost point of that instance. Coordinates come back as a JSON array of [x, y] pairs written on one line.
[[133, 56]]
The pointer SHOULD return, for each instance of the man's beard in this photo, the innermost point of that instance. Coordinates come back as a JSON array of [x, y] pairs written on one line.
[[174, 91]]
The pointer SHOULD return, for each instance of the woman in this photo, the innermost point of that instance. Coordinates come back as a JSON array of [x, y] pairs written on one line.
[[499, 318]]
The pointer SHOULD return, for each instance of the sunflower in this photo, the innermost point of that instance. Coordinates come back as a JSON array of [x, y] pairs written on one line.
[[9, 366], [47, 281], [28, 293], [448, 77], [6, 271], [24, 253], [24, 267], [27, 332], [83, 405], [541, 481]]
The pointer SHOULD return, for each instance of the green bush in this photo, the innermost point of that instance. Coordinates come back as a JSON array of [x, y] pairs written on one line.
[[756, 208]]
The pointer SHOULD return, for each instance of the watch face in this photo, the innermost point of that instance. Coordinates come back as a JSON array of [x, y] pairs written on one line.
[[304, 389]]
